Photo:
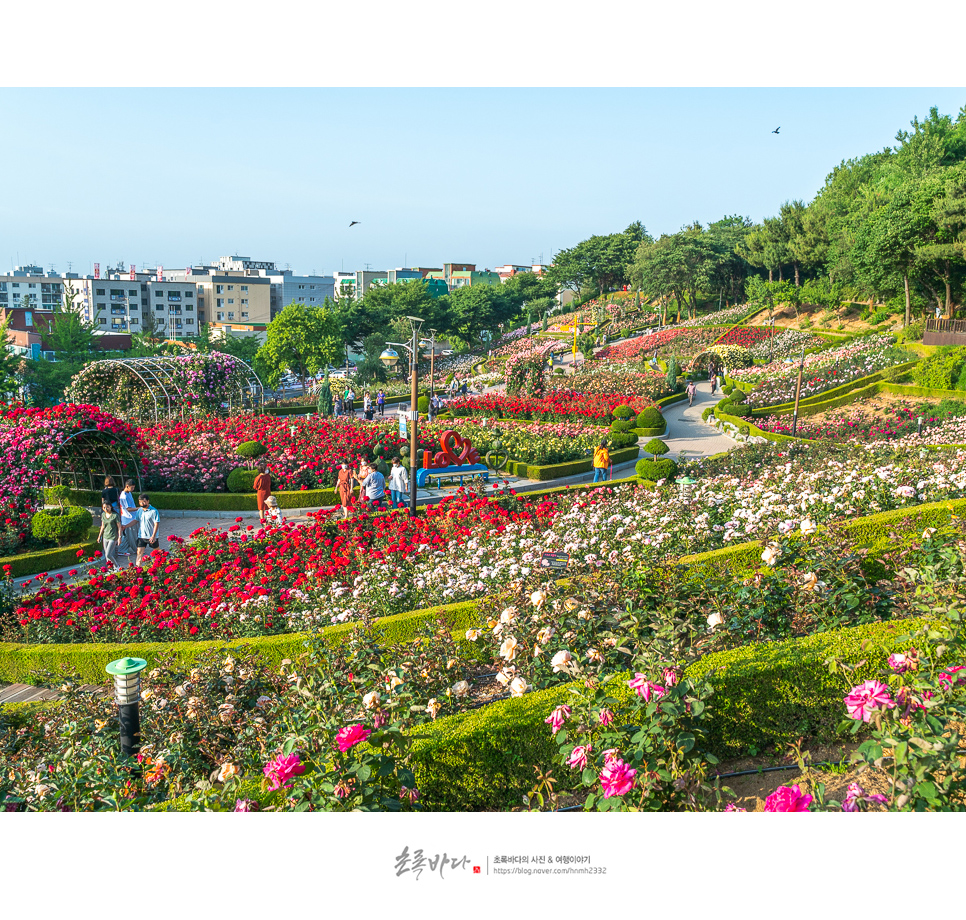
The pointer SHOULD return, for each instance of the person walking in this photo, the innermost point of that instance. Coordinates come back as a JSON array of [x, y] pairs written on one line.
[[350, 398], [398, 483], [463, 388], [110, 494], [337, 405], [601, 462], [148, 521], [109, 533], [344, 488], [381, 401], [690, 389], [373, 485], [126, 544], [263, 488], [367, 409]]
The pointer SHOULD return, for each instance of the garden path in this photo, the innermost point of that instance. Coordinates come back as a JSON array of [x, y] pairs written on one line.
[[687, 432]]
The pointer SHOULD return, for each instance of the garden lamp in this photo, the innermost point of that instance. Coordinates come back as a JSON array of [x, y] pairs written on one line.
[[127, 691], [919, 422], [684, 484], [390, 357]]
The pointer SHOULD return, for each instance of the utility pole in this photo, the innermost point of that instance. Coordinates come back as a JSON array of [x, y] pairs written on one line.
[[798, 392]]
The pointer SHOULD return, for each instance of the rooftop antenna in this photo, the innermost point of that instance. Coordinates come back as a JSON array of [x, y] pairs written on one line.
[[69, 266], [368, 265]]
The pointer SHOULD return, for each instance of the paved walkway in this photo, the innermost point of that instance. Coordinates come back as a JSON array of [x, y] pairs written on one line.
[[688, 433]]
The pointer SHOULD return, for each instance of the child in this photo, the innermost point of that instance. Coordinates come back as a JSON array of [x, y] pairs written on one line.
[[273, 517], [110, 531]]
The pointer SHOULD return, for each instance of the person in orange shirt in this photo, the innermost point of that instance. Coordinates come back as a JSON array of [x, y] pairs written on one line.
[[263, 488]]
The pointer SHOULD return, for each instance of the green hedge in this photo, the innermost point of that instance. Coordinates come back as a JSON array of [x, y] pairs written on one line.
[[18, 660], [48, 560], [561, 470], [223, 501], [651, 432], [776, 692]]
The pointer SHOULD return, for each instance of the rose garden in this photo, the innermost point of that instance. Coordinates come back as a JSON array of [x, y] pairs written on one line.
[[795, 601]]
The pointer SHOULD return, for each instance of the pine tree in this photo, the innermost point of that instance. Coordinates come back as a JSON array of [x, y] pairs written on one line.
[[325, 397]]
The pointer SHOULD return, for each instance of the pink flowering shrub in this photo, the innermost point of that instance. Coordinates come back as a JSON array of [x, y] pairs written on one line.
[[788, 798]]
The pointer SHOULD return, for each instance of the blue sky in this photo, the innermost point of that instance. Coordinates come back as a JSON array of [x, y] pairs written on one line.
[[170, 176]]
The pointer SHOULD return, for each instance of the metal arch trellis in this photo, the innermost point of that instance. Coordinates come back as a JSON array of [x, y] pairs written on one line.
[[87, 457], [159, 377]]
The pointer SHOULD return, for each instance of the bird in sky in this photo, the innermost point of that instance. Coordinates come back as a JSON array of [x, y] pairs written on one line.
[[777, 129], [353, 223]]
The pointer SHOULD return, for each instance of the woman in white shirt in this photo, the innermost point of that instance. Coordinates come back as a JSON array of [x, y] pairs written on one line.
[[398, 483]]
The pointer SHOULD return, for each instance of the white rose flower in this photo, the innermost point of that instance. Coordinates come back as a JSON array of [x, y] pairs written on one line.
[[432, 707], [770, 555], [370, 699], [461, 688], [715, 620], [472, 634], [808, 527], [508, 650], [518, 687], [561, 661], [538, 598]]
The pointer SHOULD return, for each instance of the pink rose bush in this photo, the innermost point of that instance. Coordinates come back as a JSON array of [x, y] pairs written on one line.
[[868, 698], [350, 736], [282, 769], [788, 798]]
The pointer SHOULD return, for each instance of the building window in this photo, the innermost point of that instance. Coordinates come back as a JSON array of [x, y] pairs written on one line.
[[244, 288], [159, 306], [231, 299], [244, 301], [231, 315], [16, 284], [301, 287], [99, 292], [189, 293], [102, 306], [244, 315], [221, 316], [189, 306], [132, 293], [219, 289], [231, 287], [134, 319], [103, 321], [158, 292], [28, 318], [220, 302], [190, 321]]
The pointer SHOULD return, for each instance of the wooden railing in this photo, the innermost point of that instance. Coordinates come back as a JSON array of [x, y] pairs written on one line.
[[956, 326]]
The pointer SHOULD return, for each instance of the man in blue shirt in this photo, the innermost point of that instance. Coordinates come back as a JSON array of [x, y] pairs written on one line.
[[148, 521]]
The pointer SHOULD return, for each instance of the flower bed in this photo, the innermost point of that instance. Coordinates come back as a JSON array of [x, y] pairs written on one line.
[[775, 383], [679, 341], [785, 344], [746, 336], [560, 404], [629, 381]]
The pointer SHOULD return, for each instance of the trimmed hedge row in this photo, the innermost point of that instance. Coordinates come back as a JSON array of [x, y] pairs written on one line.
[[18, 660], [47, 560], [651, 432], [560, 470], [753, 430]]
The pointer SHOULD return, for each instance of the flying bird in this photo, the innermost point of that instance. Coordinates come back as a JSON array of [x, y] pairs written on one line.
[[777, 129], [353, 223]]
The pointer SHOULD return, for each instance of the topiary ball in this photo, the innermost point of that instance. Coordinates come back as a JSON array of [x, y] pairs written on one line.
[[241, 480], [377, 451], [623, 412], [620, 426], [656, 447], [404, 451], [655, 470], [650, 418], [738, 397], [64, 526], [249, 450]]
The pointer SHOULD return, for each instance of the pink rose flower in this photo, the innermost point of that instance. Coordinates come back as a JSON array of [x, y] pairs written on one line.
[[281, 770], [578, 757], [243, 805], [557, 718], [616, 778], [350, 736], [945, 678], [605, 717], [855, 794], [788, 798], [866, 698], [643, 687], [670, 677], [899, 663], [732, 807]]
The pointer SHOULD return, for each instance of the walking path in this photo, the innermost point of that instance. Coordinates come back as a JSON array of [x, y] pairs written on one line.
[[688, 434]]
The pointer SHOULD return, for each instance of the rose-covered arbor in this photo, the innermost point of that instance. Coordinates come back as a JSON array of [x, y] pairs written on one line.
[[161, 388]]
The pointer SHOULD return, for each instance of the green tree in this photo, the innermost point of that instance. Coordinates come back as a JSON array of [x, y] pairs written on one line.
[[303, 339], [599, 261], [478, 309], [325, 403]]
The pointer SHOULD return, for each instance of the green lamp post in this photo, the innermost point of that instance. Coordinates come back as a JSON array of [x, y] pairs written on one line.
[[684, 484], [127, 690]]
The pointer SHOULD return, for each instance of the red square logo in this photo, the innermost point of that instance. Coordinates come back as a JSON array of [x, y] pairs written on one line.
[[476, 870]]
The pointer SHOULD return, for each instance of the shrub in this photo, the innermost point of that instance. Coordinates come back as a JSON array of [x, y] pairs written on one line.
[[941, 370], [62, 524], [620, 426], [656, 446], [621, 440], [738, 397], [422, 404], [57, 495], [558, 370], [650, 418], [739, 411], [728, 389], [707, 413], [249, 450], [623, 412], [744, 429], [242, 479], [656, 469]]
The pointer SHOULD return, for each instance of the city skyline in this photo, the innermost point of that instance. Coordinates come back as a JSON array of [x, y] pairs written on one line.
[[488, 176]]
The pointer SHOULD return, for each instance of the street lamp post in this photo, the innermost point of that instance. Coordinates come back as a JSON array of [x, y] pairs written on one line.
[[798, 392], [127, 690], [390, 357]]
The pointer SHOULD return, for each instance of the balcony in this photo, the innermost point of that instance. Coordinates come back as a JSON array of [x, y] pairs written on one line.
[[118, 311], [122, 298], [174, 311]]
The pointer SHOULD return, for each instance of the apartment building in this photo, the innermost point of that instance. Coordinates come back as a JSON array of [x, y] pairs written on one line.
[[31, 285], [457, 275], [235, 303]]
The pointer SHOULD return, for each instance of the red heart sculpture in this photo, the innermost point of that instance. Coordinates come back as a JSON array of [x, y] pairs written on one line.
[[451, 442]]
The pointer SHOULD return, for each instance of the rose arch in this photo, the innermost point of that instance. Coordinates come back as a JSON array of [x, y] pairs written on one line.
[[145, 390]]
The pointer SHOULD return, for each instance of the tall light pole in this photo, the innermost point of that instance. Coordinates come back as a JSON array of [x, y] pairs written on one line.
[[798, 392], [389, 357], [432, 363]]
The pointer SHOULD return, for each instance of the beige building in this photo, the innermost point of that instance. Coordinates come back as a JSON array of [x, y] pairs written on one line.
[[233, 302]]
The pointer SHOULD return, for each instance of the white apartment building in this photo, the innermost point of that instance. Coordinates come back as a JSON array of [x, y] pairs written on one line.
[[30, 284]]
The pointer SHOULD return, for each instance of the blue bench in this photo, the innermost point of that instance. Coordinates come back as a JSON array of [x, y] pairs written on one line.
[[473, 470]]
